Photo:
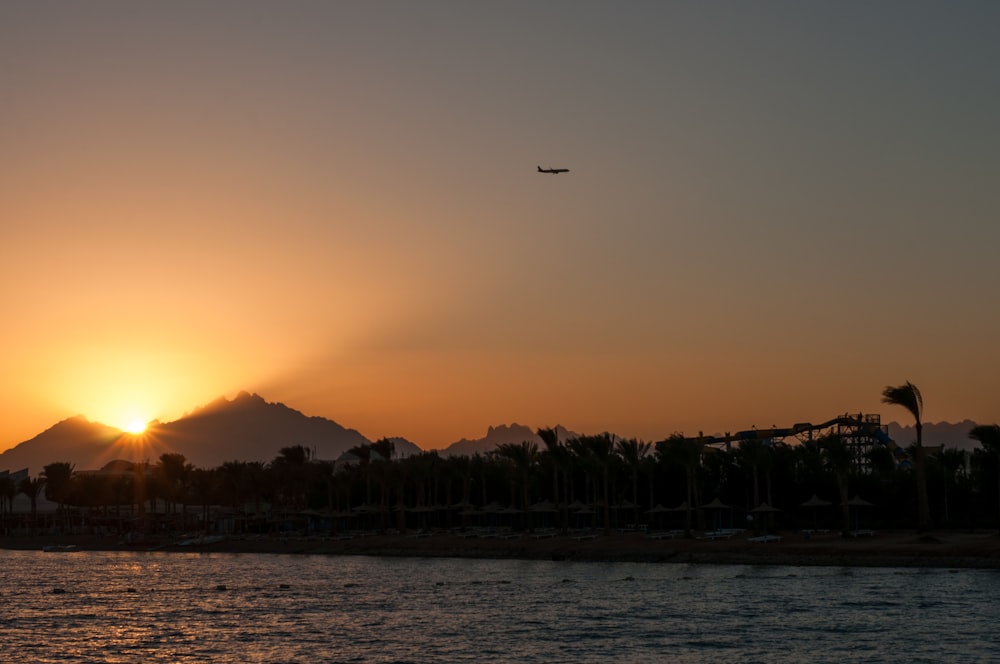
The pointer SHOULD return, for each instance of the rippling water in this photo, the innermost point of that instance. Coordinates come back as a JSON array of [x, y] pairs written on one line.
[[173, 607]]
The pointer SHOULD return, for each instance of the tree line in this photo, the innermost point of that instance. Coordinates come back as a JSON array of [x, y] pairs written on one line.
[[597, 481]]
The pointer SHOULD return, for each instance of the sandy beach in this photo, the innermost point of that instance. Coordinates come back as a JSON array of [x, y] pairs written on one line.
[[886, 549]]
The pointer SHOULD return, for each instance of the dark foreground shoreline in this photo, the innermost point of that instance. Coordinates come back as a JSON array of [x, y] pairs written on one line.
[[945, 549]]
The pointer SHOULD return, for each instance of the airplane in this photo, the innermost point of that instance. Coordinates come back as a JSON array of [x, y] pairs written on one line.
[[553, 170]]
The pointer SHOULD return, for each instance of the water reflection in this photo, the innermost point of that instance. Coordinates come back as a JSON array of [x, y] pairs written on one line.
[[128, 607]]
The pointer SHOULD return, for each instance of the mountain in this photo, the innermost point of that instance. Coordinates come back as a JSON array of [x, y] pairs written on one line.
[[75, 439], [941, 433], [514, 433], [245, 429], [404, 448], [248, 428]]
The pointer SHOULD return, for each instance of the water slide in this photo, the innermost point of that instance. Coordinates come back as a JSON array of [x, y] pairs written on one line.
[[859, 425]]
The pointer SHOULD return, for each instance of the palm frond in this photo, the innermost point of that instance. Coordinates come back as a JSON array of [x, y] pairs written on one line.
[[906, 395]]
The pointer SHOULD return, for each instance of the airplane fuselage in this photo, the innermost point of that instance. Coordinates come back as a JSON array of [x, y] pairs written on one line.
[[554, 171]]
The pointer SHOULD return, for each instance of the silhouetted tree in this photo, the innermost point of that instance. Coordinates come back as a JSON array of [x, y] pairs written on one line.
[[523, 457], [173, 470], [634, 452], [908, 396], [8, 490], [684, 454], [837, 457], [598, 452], [32, 488], [203, 483], [290, 470], [560, 458], [58, 483], [988, 436]]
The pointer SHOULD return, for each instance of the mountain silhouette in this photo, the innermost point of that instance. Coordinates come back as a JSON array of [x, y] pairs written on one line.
[[75, 440], [513, 433], [941, 433], [248, 428]]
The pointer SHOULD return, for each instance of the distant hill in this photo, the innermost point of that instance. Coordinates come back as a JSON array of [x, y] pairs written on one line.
[[245, 429], [404, 448], [76, 440], [941, 433], [514, 433], [248, 428]]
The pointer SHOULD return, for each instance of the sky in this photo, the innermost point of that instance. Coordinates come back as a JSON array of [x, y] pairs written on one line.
[[773, 211]]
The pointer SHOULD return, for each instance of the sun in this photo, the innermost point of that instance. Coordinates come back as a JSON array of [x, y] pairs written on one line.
[[135, 427]]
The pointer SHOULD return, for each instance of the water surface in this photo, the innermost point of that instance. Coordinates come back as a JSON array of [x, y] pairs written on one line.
[[179, 607]]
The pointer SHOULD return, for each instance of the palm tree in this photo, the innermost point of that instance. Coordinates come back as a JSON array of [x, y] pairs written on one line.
[[952, 461], [173, 470], [550, 438], [686, 455], [633, 452], [988, 436], [203, 485], [58, 479], [234, 487], [908, 396], [290, 469], [380, 462], [32, 488], [523, 457], [8, 490], [837, 457], [559, 456], [140, 471], [597, 453], [258, 481], [753, 453]]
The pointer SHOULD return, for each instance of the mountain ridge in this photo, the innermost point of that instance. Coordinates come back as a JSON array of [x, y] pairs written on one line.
[[246, 428], [249, 428]]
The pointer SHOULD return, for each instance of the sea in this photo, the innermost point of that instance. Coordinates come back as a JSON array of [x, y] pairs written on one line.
[[213, 607]]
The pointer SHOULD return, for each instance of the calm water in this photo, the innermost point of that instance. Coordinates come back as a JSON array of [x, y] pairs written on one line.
[[158, 607]]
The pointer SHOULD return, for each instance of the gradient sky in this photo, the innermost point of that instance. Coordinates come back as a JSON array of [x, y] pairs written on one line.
[[774, 210]]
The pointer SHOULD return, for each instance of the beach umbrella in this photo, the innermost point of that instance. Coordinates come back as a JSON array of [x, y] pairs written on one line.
[[545, 508], [765, 509], [421, 511], [623, 505], [366, 511], [683, 507], [858, 502], [660, 510], [717, 505], [583, 515], [492, 510], [813, 503], [510, 511]]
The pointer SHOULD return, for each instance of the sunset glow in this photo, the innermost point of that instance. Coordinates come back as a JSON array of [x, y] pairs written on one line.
[[770, 213], [135, 427]]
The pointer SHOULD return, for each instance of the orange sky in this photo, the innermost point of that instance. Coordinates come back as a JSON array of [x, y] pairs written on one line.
[[772, 212]]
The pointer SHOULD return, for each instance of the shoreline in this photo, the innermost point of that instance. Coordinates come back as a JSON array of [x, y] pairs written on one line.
[[944, 549]]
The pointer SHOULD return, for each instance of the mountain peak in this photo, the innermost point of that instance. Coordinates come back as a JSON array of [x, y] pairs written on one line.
[[498, 435], [248, 428]]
